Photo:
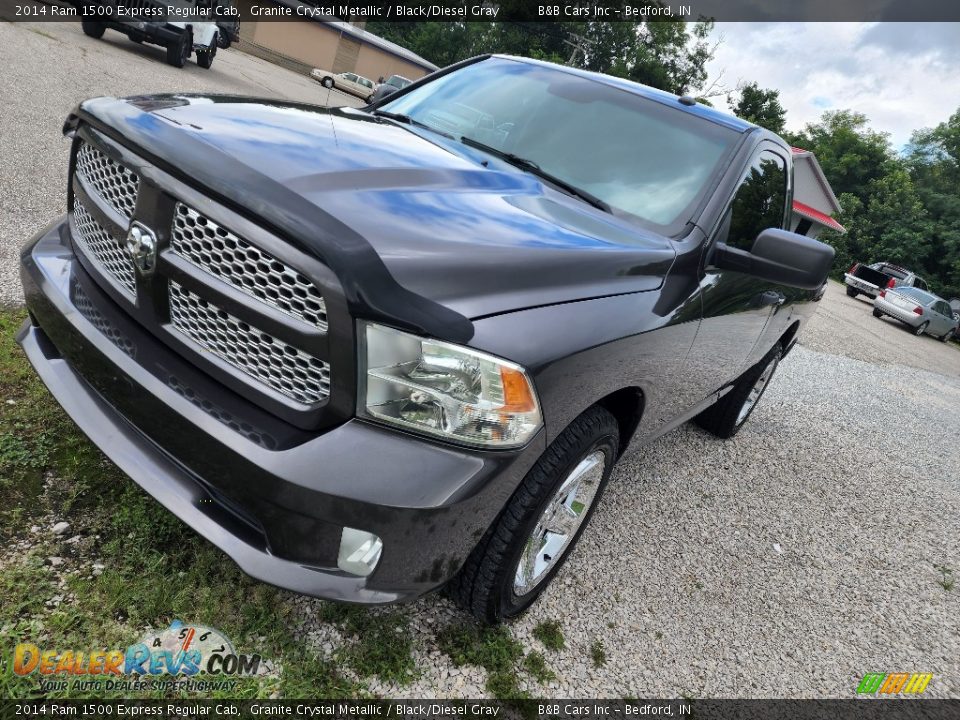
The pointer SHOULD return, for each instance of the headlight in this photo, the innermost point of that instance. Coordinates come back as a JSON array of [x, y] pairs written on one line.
[[446, 390]]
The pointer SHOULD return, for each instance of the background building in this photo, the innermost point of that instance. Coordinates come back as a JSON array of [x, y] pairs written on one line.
[[329, 45], [813, 198]]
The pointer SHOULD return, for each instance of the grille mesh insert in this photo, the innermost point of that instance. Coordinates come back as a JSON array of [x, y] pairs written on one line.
[[115, 183], [220, 252], [284, 368], [103, 249]]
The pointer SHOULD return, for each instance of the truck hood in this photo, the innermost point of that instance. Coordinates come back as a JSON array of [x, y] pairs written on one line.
[[408, 220]]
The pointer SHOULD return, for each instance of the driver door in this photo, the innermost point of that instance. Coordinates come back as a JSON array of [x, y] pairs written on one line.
[[737, 306]]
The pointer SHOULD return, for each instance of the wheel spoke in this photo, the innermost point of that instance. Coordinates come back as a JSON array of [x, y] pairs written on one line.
[[559, 522]]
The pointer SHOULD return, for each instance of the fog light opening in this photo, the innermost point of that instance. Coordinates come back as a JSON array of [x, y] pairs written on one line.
[[359, 552]]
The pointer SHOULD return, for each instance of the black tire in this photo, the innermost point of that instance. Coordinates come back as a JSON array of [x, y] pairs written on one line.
[[224, 41], [327, 82], [851, 292], [179, 53], [205, 57], [945, 338], [877, 313], [919, 329], [484, 586], [723, 418], [93, 29], [369, 99]]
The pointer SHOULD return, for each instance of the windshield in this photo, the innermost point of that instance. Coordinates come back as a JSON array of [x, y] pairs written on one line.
[[634, 154], [398, 82]]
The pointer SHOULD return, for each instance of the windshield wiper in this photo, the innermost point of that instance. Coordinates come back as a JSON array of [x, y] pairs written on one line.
[[407, 120], [531, 167]]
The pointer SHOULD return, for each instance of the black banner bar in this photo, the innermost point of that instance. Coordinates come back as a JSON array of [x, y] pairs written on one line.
[[863, 709], [485, 10]]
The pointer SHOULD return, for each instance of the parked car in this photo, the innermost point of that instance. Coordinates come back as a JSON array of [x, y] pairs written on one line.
[[180, 38], [871, 279], [389, 87], [955, 307], [369, 358], [923, 311], [348, 82]]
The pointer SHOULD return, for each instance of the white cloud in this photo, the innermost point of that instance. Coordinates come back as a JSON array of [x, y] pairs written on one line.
[[902, 76]]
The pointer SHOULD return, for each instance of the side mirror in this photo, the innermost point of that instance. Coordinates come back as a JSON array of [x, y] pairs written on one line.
[[781, 257]]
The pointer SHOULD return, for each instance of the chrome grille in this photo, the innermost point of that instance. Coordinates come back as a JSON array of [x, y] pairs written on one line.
[[112, 181], [96, 318], [286, 369], [223, 254], [103, 249]]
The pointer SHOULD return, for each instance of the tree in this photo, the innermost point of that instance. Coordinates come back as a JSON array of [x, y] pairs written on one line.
[[761, 107], [670, 55], [850, 153]]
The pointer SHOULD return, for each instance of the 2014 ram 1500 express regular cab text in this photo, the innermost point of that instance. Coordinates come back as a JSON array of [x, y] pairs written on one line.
[[370, 353]]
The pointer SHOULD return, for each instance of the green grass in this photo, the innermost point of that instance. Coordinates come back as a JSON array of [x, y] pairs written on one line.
[[492, 648], [535, 664], [156, 569], [946, 581], [548, 632], [382, 643], [598, 654]]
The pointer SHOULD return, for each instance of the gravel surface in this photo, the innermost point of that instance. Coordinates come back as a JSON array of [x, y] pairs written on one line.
[[846, 326], [786, 562], [50, 67]]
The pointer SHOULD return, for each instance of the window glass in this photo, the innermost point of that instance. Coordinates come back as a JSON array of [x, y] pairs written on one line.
[[638, 155], [760, 201]]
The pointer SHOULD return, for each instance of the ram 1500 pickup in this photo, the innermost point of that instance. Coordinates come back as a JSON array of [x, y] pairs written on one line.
[[370, 353]]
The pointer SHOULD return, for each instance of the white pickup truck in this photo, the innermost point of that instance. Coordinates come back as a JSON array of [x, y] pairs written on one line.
[[180, 26], [871, 279]]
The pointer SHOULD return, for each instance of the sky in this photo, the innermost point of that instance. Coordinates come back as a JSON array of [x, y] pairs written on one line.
[[902, 76]]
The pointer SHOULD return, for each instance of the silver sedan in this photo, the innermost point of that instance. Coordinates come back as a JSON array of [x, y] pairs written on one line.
[[921, 310]]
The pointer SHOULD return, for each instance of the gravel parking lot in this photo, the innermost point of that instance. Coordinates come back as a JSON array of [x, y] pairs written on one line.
[[818, 545]]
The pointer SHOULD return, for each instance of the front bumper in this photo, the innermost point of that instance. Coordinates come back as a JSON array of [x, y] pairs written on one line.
[[906, 316], [273, 497]]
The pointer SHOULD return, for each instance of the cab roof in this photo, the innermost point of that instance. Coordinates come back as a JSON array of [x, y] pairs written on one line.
[[665, 98]]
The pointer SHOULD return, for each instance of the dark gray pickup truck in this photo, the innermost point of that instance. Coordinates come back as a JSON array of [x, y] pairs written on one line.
[[371, 353]]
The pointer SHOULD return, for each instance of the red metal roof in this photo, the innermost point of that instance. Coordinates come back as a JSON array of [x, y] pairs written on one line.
[[817, 216]]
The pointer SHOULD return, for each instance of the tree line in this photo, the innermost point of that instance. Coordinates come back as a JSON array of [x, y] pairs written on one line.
[[902, 206]]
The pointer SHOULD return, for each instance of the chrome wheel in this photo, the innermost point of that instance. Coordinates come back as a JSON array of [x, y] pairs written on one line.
[[920, 329], [757, 390], [558, 524]]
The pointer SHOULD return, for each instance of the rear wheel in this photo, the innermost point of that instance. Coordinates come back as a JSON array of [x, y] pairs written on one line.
[[920, 329], [541, 523], [725, 418], [877, 313], [93, 28], [851, 292]]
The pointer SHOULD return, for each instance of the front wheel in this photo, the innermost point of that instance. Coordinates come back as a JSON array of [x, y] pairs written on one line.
[[205, 57], [179, 53], [92, 28], [877, 313], [920, 329], [540, 525], [725, 418], [945, 338], [851, 292], [327, 82]]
